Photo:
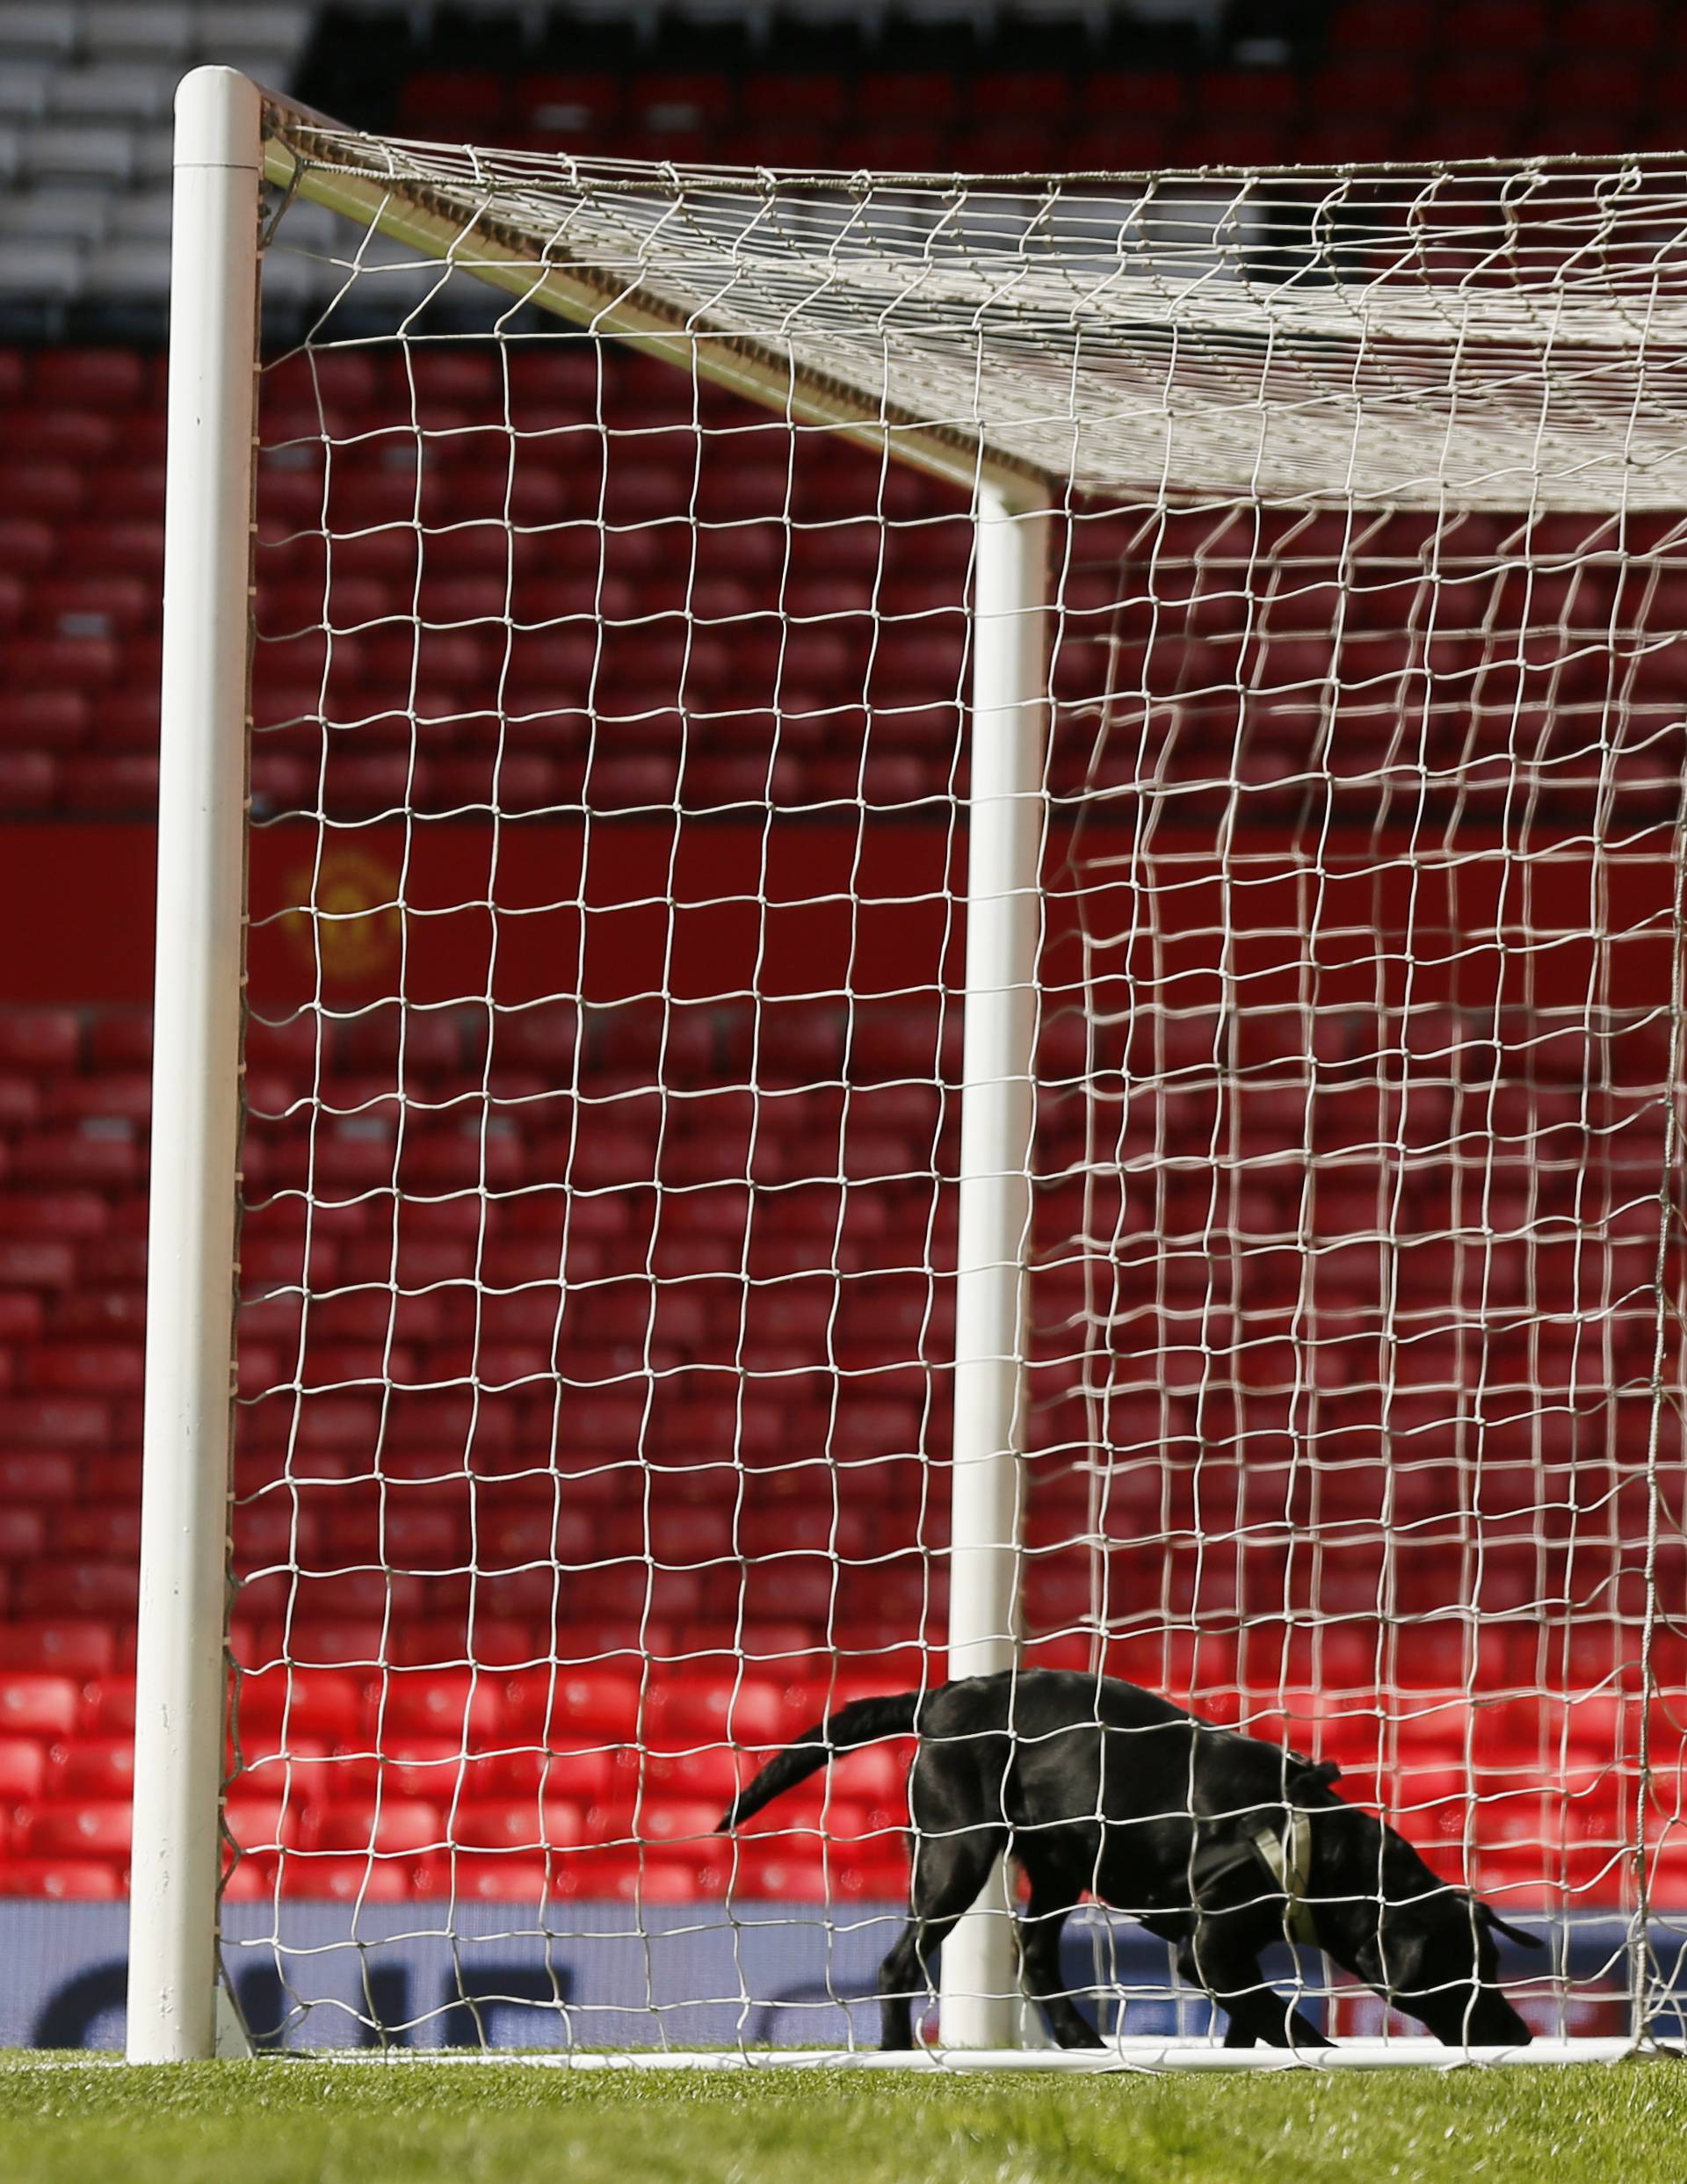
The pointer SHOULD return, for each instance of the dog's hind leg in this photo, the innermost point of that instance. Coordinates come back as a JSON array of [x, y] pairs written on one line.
[[1039, 1953], [949, 1871], [1227, 1967]]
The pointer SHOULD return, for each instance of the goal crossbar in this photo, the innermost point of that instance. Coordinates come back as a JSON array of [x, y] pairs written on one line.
[[476, 222]]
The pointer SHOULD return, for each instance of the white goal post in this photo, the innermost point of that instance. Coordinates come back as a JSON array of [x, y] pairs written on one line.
[[1260, 737]]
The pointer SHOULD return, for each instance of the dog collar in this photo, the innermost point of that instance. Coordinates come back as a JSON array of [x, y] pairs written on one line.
[[1287, 1858]]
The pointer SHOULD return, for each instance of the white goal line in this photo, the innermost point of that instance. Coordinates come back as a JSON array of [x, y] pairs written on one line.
[[1140, 2054]]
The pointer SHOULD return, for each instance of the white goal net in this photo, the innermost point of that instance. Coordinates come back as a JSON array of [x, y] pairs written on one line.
[[623, 755]]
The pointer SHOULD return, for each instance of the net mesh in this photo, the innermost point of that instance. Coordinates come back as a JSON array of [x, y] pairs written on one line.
[[1356, 1234], [608, 865], [1477, 334]]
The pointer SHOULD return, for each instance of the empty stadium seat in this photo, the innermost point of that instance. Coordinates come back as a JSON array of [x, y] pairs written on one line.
[[741, 1708], [94, 1767], [350, 1879], [23, 1769], [38, 1704], [311, 1702], [548, 1822], [77, 1828], [69, 1878], [386, 1827], [775, 1875]]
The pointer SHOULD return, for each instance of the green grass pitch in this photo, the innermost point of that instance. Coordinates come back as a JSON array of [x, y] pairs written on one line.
[[311, 2123]]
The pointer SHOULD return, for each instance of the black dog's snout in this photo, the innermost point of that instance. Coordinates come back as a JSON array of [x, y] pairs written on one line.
[[1465, 2014], [1495, 2024]]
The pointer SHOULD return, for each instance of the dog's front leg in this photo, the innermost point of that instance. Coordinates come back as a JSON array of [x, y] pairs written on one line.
[[1039, 1936], [1229, 1972], [899, 1972]]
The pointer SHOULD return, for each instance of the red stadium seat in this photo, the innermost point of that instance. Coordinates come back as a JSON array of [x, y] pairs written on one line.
[[134, 550], [97, 605], [29, 780], [22, 1531], [104, 1534], [306, 1770], [40, 1039], [66, 1879], [664, 1876], [20, 1101], [248, 1880], [106, 1589], [343, 1646], [680, 1822], [577, 1703], [584, 1772], [46, 490], [313, 1701], [23, 1769], [712, 1774], [502, 1878], [779, 1650], [460, 103], [445, 1700], [797, 1876], [99, 1766], [499, 1644], [111, 1368], [100, 379], [876, 1877], [39, 1705], [779, 1876], [108, 1703], [118, 782], [391, 1825], [261, 1822], [1602, 26], [406, 1764], [25, 545], [345, 1879], [79, 1827], [579, 103], [740, 1710], [514, 1824]]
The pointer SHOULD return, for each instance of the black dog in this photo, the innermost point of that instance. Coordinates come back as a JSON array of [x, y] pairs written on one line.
[[1215, 1841]]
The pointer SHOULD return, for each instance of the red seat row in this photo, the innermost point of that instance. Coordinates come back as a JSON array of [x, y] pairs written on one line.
[[637, 1878], [1517, 1881], [1106, 118], [376, 1709], [1534, 1872]]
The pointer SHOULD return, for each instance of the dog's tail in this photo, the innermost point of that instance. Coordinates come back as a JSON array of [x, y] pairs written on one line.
[[864, 1722]]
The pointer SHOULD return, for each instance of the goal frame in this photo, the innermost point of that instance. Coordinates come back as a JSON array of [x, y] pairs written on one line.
[[231, 138]]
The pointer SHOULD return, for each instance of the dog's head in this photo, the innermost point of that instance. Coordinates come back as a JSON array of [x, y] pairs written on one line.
[[1429, 1949], [1436, 1956]]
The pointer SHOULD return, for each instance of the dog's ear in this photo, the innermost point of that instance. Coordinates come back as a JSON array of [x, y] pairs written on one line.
[[1491, 1919]]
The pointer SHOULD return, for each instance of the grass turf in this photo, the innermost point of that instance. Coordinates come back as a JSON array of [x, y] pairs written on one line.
[[307, 2124]]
